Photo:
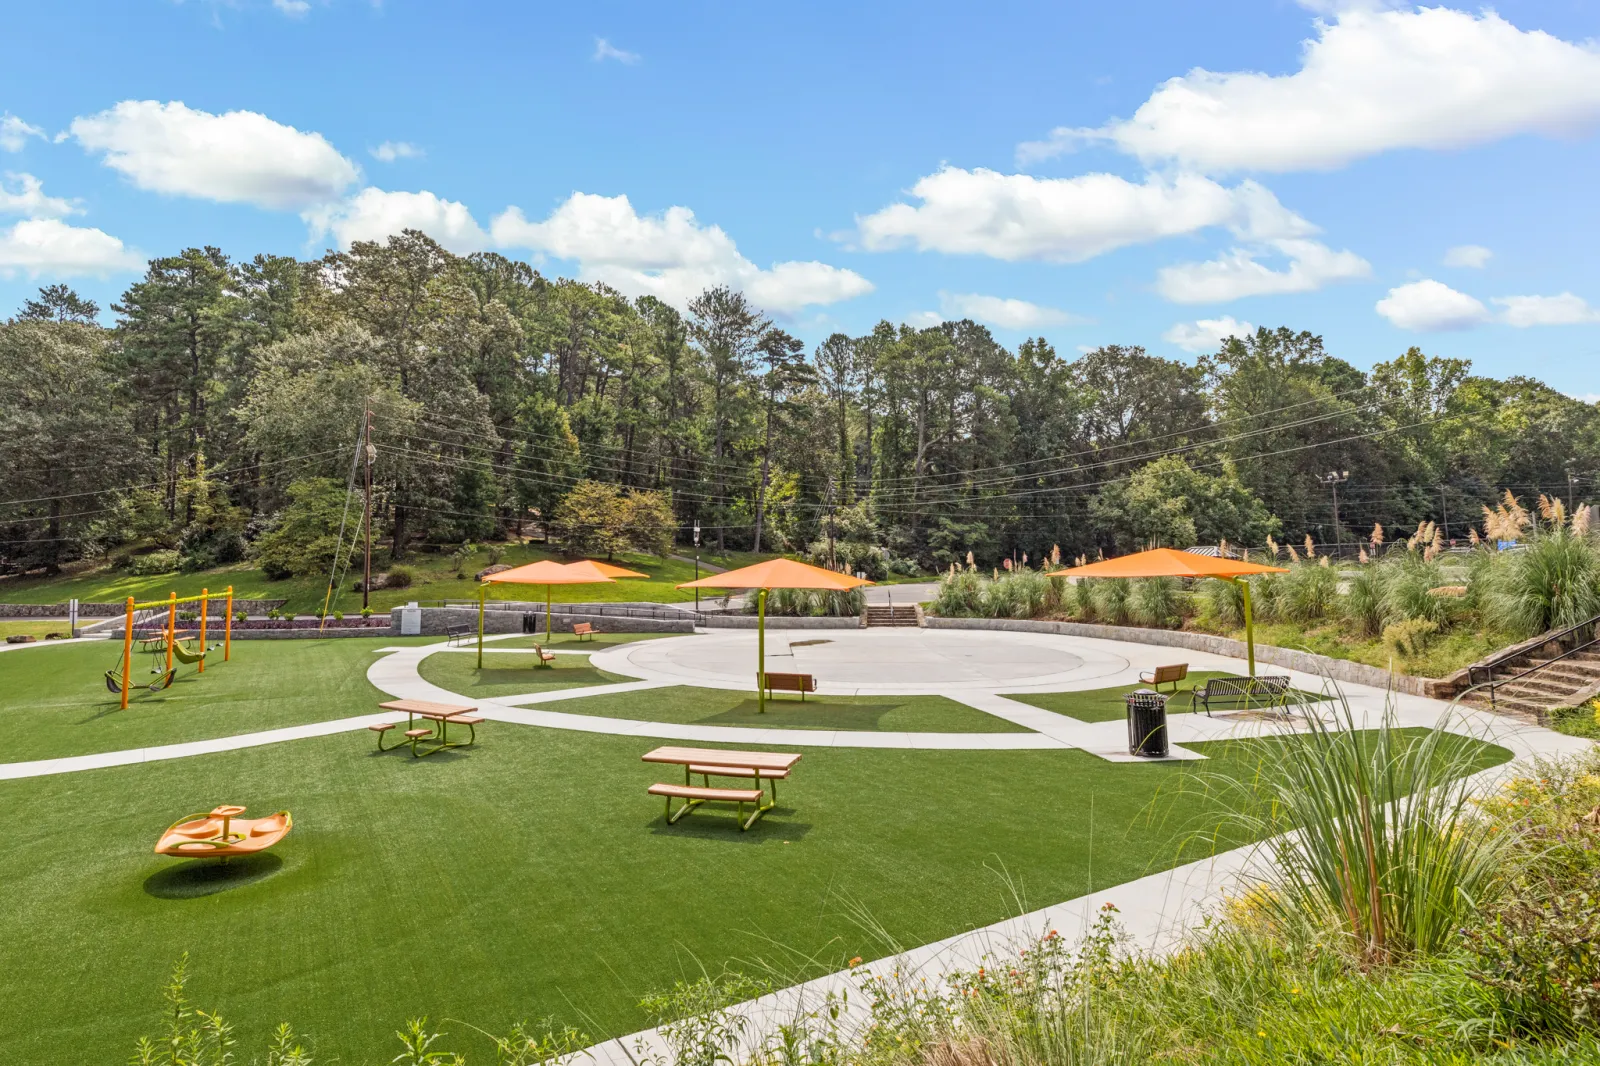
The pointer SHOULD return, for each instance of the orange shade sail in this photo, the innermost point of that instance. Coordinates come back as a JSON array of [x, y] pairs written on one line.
[[1168, 562], [548, 572], [609, 569], [778, 574]]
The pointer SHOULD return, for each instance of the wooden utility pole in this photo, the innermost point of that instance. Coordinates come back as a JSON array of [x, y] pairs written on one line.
[[366, 520]]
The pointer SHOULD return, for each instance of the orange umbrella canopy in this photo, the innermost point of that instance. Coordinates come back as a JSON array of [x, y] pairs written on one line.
[[609, 569], [548, 572], [1168, 562], [778, 574]]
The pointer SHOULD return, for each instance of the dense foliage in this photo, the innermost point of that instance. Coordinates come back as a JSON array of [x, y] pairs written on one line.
[[494, 391]]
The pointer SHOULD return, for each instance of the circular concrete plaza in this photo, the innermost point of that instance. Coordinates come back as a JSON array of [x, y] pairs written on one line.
[[876, 661]]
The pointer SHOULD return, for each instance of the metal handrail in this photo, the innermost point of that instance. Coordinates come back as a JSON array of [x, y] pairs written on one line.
[[1490, 682]]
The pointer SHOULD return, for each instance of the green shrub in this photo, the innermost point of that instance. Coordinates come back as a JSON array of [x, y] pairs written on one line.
[[1407, 589], [960, 595], [399, 577], [1543, 957], [1221, 603], [813, 603], [1156, 602], [1307, 592], [366, 612], [1021, 593], [151, 563], [274, 613], [1551, 583], [1411, 637], [1083, 599], [1363, 600], [241, 616]]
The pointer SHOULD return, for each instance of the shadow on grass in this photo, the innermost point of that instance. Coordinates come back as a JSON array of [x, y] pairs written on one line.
[[811, 714], [722, 823], [206, 877]]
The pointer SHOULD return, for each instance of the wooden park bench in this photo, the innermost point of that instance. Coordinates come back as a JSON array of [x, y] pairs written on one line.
[[460, 634], [546, 658], [582, 629], [801, 683], [1166, 675], [1242, 692]]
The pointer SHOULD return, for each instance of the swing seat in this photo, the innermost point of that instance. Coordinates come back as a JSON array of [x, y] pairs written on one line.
[[114, 682], [187, 657]]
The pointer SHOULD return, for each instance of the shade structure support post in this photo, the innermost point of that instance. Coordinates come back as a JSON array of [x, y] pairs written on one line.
[[547, 629], [227, 628], [205, 606], [761, 651], [127, 654], [483, 598], [1249, 623], [172, 626]]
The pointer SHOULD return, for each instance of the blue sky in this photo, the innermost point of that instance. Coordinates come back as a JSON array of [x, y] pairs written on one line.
[[1150, 173]]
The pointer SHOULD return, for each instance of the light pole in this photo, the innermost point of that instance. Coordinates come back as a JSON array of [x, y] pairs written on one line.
[[1333, 479], [697, 563]]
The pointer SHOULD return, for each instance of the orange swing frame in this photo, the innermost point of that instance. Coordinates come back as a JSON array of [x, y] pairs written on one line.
[[171, 604]]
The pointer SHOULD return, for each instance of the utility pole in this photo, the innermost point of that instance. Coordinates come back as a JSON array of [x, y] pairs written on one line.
[[833, 564], [366, 521], [1444, 509], [1333, 479], [697, 563]]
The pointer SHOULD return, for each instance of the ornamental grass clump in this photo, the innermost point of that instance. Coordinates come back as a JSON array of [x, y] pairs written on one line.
[[1307, 593], [1156, 602], [1111, 596], [1221, 603], [1373, 833], [960, 594], [1020, 593], [1551, 583]]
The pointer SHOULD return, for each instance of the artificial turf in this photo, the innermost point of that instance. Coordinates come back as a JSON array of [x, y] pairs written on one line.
[[54, 701], [531, 876], [688, 705], [510, 673], [1109, 704]]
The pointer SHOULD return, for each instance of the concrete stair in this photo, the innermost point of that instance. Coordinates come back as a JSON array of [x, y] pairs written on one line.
[[1554, 683], [883, 615]]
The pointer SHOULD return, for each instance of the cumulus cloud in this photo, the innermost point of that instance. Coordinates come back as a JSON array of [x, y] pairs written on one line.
[[389, 151], [14, 133], [237, 157], [293, 8], [26, 197], [1473, 256], [604, 50], [1068, 220], [1240, 272], [1207, 334], [1370, 81], [1003, 312], [1427, 306], [374, 215], [49, 247], [671, 255], [1563, 310], [923, 319]]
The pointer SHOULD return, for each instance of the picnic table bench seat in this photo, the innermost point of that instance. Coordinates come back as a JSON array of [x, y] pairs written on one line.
[[1270, 691], [694, 795]]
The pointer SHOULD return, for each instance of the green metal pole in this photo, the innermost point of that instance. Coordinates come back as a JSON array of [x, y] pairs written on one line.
[[547, 614], [483, 594], [761, 652], [1249, 625]]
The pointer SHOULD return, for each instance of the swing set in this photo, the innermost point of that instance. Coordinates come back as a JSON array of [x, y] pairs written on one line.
[[163, 643]]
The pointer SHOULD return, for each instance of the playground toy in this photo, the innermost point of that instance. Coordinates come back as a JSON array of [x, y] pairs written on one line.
[[167, 641], [223, 834]]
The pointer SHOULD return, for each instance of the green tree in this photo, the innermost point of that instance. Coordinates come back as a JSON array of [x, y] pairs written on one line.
[[304, 537], [1169, 504]]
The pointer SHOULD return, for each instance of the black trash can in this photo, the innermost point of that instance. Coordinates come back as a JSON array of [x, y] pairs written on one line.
[[1147, 724]]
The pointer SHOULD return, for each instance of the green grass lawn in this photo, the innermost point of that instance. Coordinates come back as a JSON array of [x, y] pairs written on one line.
[[531, 877], [32, 628], [54, 702], [713, 706], [510, 673], [568, 641], [1107, 704], [436, 580]]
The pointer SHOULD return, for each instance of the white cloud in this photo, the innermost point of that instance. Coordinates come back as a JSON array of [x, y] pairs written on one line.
[[374, 215], [1207, 334], [1068, 220], [28, 198], [604, 50], [923, 319], [1370, 81], [1473, 256], [50, 247], [670, 255], [14, 132], [1428, 306], [238, 157], [389, 151], [1239, 273], [1563, 310], [1002, 312], [292, 8]]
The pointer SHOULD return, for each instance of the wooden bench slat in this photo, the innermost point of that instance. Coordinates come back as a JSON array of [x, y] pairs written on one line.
[[725, 795], [737, 771], [380, 727], [464, 719]]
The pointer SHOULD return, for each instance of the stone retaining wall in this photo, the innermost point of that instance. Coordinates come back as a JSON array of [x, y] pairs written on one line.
[[1322, 665], [436, 620], [748, 621], [214, 609]]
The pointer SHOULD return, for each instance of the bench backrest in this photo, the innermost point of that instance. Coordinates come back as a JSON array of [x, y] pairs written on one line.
[[792, 682], [1165, 674], [1246, 686], [582, 628]]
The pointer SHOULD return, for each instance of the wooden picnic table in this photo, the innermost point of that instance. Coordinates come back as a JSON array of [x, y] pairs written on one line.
[[439, 713], [760, 766]]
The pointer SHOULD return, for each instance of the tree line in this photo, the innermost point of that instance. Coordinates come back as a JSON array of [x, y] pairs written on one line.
[[225, 400]]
